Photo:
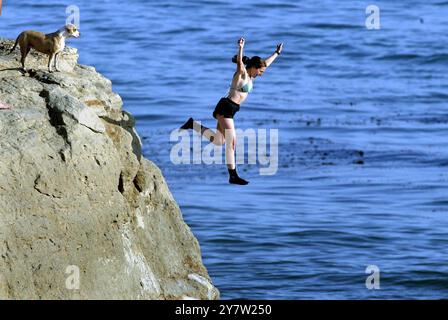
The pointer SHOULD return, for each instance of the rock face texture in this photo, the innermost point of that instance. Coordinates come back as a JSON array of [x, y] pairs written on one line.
[[83, 215]]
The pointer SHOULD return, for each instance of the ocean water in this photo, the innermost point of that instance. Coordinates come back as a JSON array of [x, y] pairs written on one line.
[[362, 122]]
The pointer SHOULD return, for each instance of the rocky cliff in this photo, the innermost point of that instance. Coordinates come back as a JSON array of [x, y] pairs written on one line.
[[83, 215]]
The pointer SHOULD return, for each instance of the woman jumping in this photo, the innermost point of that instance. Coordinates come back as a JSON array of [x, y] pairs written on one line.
[[242, 83]]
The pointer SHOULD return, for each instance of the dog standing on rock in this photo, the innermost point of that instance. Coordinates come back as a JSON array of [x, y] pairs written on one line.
[[51, 44]]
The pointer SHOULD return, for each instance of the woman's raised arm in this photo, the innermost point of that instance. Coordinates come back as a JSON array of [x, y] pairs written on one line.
[[239, 58], [274, 55]]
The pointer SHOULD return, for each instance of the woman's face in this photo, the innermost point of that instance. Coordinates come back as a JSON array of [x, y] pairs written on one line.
[[261, 71], [255, 72]]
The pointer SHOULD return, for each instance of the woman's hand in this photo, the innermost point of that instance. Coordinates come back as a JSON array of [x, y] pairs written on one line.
[[279, 48], [239, 59], [241, 43], [275, 55]]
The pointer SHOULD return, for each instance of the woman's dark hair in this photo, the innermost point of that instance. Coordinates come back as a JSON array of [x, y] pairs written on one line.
[[255, 62]]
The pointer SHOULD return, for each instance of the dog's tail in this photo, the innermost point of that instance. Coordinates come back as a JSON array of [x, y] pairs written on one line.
[[15, 44]]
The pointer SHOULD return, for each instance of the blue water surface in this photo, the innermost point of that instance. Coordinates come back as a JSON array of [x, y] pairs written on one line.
[[362, 121]]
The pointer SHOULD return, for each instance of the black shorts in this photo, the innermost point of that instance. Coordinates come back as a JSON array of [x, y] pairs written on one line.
[[226, 107]]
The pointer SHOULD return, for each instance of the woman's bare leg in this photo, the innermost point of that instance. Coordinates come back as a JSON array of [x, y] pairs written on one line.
[[216, 138], [229, 134], [225, 134], [219, 136], [230, 139]]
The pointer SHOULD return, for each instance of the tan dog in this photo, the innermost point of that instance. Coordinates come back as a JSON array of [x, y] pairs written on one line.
[[51, 44]]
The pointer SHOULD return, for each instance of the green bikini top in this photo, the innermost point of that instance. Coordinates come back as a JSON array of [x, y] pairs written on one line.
[[247, 88]]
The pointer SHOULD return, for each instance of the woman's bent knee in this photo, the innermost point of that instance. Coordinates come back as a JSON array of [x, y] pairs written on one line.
[[218, 141]]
